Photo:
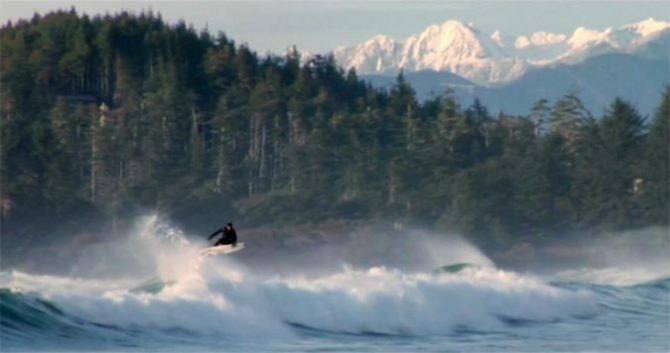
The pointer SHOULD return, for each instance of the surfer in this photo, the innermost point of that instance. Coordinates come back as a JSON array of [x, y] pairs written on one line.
[[229, 236]]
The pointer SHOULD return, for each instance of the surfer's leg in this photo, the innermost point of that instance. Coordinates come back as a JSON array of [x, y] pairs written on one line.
[[223, 241]]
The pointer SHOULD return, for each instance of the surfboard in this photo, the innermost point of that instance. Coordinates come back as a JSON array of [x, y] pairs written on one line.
[[455, 268], [221, 250], [152, 286]]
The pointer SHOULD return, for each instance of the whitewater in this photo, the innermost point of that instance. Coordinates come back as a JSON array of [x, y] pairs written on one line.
[[161, 296]]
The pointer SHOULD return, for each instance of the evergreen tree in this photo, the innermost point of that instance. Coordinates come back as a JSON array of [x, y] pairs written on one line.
[[568, 116], [652, 182], [124, 111], [610, 166]]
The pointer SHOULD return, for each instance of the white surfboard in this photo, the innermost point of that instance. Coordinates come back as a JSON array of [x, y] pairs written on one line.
[[222, 250]]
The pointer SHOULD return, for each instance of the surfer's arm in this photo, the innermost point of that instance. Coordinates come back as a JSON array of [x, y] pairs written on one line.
[[214, 234]]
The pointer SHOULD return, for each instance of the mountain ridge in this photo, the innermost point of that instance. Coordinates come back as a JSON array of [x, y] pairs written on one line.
[[493, 60], [597, 81]]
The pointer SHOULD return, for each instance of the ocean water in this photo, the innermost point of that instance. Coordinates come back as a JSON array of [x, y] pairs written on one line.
[[219, 304]]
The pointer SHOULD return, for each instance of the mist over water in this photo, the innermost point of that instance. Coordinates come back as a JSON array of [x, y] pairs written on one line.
[[624, 258], [152, 291]]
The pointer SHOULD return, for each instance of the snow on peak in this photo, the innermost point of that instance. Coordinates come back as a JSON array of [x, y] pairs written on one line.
[[450, 46], [383, 41], [452, 39], [587, 43], [648, 27], [539, 39], [459, 48], [498, 38], [584, 36], [462, 49]]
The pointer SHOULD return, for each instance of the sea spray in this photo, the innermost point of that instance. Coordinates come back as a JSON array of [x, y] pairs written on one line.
[[219, 301], [377, 300]]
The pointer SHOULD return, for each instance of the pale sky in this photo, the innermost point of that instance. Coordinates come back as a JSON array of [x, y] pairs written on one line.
[[320, 26]]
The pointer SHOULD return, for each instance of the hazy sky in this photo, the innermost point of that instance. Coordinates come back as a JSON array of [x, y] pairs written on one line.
[[319, 26]]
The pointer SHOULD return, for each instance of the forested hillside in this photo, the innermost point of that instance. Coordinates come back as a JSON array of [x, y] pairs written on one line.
[[107, 116]]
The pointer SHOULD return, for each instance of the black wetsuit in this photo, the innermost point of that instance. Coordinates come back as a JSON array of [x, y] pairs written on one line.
[[229, 236]]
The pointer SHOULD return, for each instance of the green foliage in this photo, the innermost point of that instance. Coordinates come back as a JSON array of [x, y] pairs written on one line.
[[124, 112], [608, 167], [653, 180]]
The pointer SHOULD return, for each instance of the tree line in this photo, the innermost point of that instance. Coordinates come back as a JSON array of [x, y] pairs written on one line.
[[113, 114]]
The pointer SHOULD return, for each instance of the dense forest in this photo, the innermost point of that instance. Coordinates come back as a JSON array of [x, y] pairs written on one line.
[[105, 117]]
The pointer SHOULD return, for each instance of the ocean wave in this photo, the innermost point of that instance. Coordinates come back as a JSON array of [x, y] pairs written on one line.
[[193, 298], [615, 276], [234, 303]]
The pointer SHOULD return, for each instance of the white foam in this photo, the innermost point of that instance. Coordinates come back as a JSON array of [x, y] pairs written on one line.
[[218, 296], [388, 301], [375, 300]]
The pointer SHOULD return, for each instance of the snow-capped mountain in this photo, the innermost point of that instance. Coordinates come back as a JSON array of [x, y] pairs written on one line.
[[493, 59], [597, 81]]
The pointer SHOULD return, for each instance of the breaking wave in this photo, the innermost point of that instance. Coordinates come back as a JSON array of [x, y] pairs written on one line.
[[193, 300]]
